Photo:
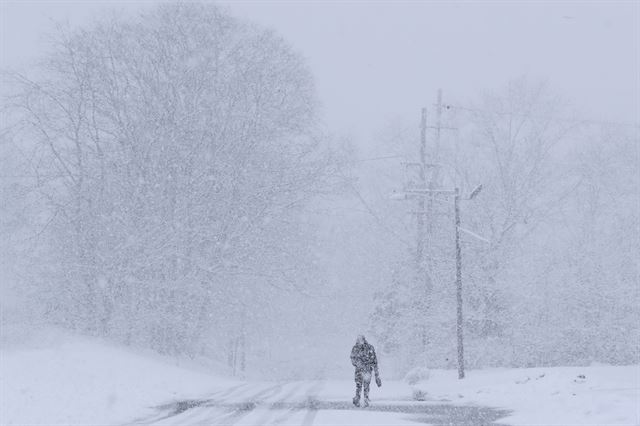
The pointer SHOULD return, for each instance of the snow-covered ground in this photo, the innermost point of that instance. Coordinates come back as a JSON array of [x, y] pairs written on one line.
[[58, 379], [595, 395]]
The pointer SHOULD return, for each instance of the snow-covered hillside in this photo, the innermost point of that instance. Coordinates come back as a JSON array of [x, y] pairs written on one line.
[[55, 378]]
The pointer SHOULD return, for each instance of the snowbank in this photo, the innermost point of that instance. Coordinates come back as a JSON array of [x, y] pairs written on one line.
[[58, 379], [596, 395]]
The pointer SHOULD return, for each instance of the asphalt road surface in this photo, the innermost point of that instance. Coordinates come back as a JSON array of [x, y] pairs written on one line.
[[315, 403]]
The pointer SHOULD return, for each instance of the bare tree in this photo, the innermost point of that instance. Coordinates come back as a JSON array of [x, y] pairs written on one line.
[[180, 147], [510, 150]]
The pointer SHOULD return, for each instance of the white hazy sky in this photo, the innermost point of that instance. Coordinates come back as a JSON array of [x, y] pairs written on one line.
[[375, 61]]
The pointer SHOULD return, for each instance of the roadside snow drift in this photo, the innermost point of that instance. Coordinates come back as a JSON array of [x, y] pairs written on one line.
[[64, 380], [595, 395]]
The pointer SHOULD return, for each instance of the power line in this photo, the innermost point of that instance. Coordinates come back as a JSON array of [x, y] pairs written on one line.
[[547, 117], [576, 120], [379, 158]]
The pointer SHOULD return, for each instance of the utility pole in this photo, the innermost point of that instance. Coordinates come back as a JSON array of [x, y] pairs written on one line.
[[422, 269], [456, 202], [459, 330], [429, 188], [434, 180], [428, 179], [421, 193], [436, 151], [423, 185]]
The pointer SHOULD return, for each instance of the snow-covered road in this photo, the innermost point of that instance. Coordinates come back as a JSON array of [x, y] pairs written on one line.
[[312, 403]]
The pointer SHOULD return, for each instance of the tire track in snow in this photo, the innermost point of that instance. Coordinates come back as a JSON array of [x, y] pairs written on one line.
[[242, 409], [307, 402], [178, 407], [201, 415], [312, 404], [263, 420], [310, 417], [185, 418], [237, 391], [288, 407], [273, 404]]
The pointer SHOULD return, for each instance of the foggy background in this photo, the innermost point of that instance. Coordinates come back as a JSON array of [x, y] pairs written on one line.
[[267, 245]]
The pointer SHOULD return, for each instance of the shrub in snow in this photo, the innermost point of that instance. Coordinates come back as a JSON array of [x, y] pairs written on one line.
[[417, 374], [419, 395]]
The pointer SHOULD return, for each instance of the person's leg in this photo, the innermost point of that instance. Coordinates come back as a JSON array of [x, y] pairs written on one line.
[[358, 377], [366, 381]]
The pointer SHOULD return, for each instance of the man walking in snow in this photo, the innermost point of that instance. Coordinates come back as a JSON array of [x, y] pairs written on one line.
[[363, 358]]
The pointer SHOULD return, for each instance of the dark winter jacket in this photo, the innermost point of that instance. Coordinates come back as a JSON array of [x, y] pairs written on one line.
[[363, 357]]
